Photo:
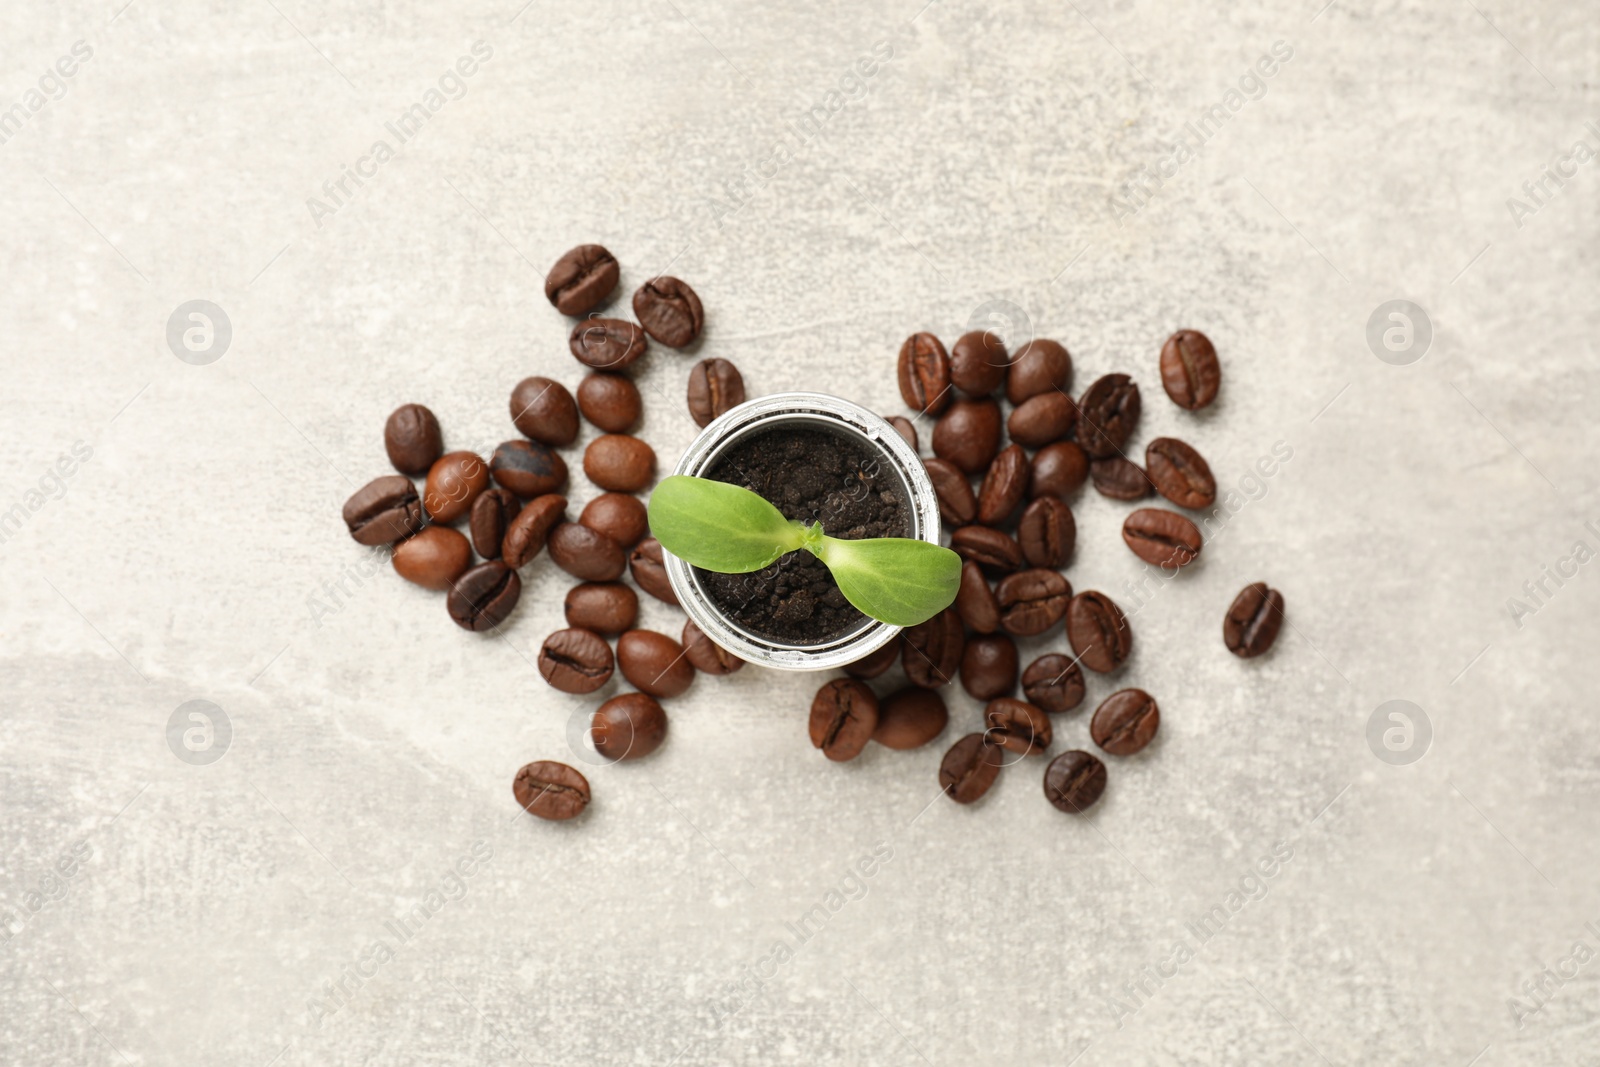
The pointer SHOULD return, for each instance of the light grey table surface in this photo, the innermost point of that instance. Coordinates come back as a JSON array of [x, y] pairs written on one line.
[[162, 912]]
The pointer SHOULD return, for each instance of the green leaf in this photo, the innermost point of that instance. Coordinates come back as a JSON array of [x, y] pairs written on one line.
[[720, 527], [896, 580]]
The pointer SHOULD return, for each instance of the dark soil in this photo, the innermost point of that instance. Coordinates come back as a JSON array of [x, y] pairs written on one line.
[[812, 476]]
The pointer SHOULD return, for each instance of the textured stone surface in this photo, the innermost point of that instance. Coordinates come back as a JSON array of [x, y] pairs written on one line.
[[210, 908]]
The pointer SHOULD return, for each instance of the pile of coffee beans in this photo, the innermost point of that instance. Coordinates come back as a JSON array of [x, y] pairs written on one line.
[[513, 509], [1008, 507]]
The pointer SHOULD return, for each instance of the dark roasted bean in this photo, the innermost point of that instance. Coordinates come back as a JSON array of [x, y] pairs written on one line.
[[1098, 631], [654, 663], [1004, 486], [604, 607], [989, 666], [491, 516], [526, 536], [483, 597], [707, 656], [1047, 533], [669, 311], [551, 790], [924, 373], [1190, 372], [1120, 478], [1107, 415], [1032, 601], [581, 279], [621, 517], [528, 468], [1058, 470], [1041, 366], [543, 410], [1017, 726], [1053, 682], [715, 388], [1042, 419], [1253, 620], [1179, 473], [994, 551], [383, 511], [606, 344], [875, 663], [1125, 722], [1074, 781], [905, 428], [586, 554], [1162, 538], [969, 769], [978, 363], [650, 573], [933, 650], [412, 439], [629, 726], [975, 601], [968, 434], [576, 660], [844, 714], [910, 718], [957, 503]]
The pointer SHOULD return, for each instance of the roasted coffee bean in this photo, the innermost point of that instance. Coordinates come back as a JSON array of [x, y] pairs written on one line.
[[1190, 372], [619, 462], [1032, 601], [875, 663], [581, 279], [1125, 722], [383, 511], [434, 558], [1162, 538], [978, 363], [968, 434], [975, 601], [1053, 682], [1098, 631], [924, 372], [957, 503], [650, 573], [412, 439], [1047, 533], [1074, 781], [1058, 470], [969, 769], [669, 311], [1120, 478], [1253, 620], [1017, 726], [621, 517], [606, 344], [989, 666], [483, 597], [491, 516], [604, 607], [544, 411], [903, 426], [610, 402], [1042, 419], [629, 726], [526, 536], [1179, 473], [454, 482], [715, 388], [706, 655], [1107, 415], [654, 663], [933, 650], [1041, 366], [1004, 486], [586, 554], [995, 552], [551, 790], [576, 660], [844, 714], [910, 718], [528, 468]]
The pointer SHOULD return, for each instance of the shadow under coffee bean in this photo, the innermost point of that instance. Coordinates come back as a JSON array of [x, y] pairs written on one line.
[[810, 475]]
